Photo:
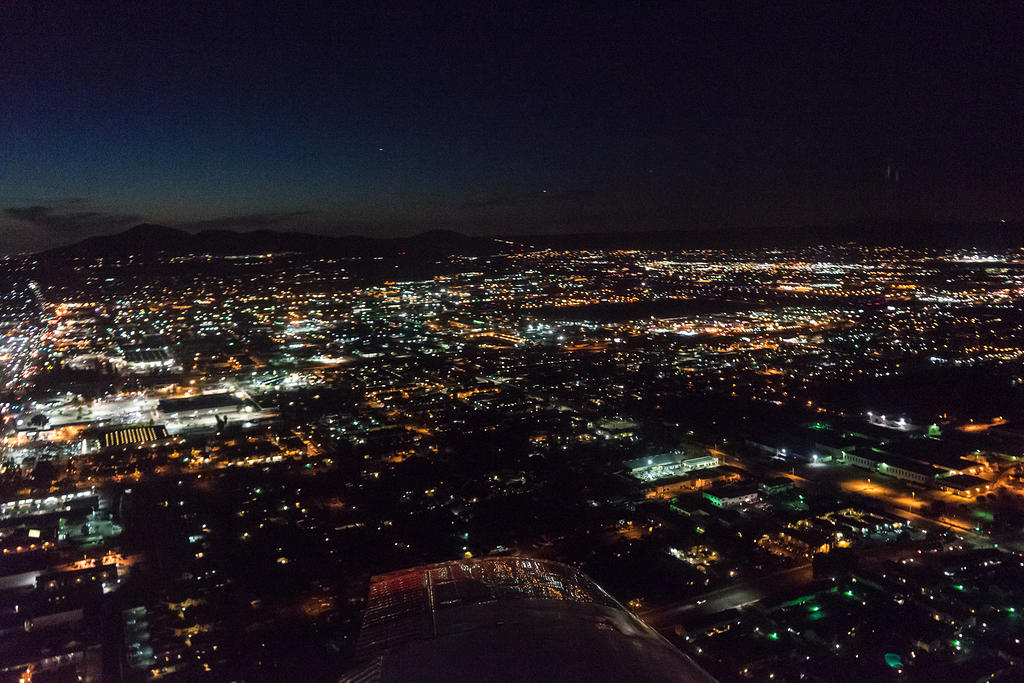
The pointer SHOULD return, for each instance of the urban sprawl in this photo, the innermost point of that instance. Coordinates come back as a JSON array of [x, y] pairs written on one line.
[[793, 464]]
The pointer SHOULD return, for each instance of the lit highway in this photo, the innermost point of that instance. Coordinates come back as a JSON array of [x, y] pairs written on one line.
[[738, 595]]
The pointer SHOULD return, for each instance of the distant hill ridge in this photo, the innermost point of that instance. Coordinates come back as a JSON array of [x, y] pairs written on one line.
[[981, 235], [150, 240]]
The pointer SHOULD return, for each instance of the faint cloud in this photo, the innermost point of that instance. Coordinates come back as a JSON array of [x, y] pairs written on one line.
[[59, 219], [251, 220]]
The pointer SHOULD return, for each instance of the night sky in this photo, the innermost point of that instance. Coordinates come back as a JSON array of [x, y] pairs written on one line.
[[518, 118]]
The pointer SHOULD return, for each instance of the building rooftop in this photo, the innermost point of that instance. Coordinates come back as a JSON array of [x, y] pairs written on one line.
[[507, 618], [890, 461], [963, 482], [671, 458], [147, 356], [201, 402]]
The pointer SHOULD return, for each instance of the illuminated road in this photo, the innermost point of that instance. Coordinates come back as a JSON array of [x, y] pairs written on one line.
[[745, 593], [892, 496], [759, 588], [889, 494]]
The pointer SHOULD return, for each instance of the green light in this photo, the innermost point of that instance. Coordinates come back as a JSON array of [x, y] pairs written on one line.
[[773, 635], [893, 660], [959, 587]]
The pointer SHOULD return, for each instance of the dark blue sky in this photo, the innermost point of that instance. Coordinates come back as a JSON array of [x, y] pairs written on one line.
[[512, 118]]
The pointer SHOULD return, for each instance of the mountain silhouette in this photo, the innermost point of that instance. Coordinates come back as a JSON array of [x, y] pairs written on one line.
[[152, 240]]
